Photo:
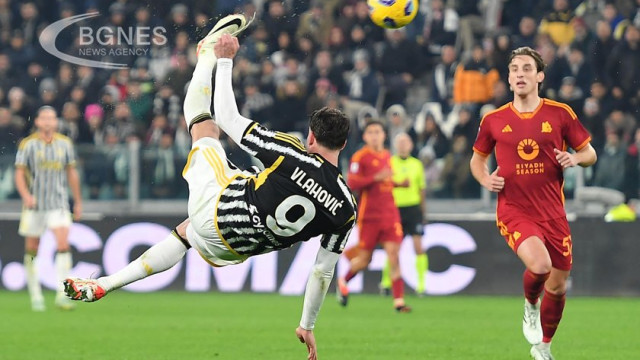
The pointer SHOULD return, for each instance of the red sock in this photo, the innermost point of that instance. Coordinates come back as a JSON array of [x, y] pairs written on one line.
[[350, 275], [397, 288], [533, 285], [550, 314]]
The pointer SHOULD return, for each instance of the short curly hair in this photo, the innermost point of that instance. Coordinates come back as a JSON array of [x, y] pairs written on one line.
[[330, 127]]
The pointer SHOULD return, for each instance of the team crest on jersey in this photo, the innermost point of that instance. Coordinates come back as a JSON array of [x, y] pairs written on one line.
[[375, 162], [546, 127]]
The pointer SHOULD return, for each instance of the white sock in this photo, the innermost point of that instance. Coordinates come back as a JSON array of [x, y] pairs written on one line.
[[158, 258], [197, 101], [63, 265], [33, 280]]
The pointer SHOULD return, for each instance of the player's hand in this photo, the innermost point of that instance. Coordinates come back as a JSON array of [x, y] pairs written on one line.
[[403, 184], [383, 174], [77, 211], [226, 47], [493, 182], [306, 337], [565, 159], [29, 202]]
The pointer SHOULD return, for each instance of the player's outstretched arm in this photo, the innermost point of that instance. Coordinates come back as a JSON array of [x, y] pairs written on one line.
[[225, 108], [317, 286]]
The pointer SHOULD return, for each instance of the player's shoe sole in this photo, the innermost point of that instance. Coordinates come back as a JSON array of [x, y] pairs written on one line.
[[531, 326], [230, 24], [342, 292], [86, 290]]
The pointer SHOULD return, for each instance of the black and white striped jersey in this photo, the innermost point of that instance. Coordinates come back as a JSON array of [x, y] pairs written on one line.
[[298, 196], [46, 165]]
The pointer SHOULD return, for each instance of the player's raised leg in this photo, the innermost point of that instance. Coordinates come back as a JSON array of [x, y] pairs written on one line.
[[536, 258], [157, 258], [361, 257], [197, 102]]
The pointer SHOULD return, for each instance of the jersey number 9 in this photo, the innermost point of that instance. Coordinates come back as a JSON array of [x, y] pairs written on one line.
[[281, 226]]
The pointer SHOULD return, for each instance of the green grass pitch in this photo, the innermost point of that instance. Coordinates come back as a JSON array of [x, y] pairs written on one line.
[[178, 325]]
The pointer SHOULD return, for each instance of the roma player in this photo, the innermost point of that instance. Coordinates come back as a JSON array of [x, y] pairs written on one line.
[[530, 136], [379, 220]]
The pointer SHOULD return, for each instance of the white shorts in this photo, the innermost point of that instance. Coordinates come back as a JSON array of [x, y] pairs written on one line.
[[34, 223], [208, 173]]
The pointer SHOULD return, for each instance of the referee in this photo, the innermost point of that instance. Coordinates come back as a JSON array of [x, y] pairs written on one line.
[[410, 200], [45, 163]]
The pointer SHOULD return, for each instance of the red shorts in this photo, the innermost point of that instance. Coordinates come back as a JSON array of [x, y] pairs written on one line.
[[554, 233], [375, 232]]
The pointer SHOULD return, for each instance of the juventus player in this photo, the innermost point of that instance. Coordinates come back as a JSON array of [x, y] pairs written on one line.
[[45, 165], [236, 214]]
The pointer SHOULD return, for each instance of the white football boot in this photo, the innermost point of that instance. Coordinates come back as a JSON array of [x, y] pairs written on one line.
[[231, 24], [541, 351], [531, 327]]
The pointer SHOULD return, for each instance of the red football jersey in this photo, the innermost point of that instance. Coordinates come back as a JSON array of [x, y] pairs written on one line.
[[376, 197], [524, 144]]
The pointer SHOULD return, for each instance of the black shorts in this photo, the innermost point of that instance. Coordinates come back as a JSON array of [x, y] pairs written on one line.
[[411, 217]]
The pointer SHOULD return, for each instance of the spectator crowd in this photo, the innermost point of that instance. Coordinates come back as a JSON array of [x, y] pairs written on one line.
[[433, 79]]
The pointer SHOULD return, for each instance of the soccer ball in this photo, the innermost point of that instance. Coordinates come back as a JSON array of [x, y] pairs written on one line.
[[392, 14]]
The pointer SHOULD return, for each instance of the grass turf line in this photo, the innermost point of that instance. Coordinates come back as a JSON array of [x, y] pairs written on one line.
[[179, 325]]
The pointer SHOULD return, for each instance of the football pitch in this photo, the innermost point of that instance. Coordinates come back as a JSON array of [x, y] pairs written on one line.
[[180, 325]]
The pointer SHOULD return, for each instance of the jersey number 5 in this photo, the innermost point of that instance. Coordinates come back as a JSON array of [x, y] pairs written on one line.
[[281, 226]]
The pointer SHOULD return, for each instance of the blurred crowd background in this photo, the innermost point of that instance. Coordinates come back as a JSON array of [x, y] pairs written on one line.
[[433, 79]]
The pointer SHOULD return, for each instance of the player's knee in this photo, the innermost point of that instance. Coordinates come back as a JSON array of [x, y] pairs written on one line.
[[182, 229], [540, 266], [556, 288], [31, 245], [362, 260]]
